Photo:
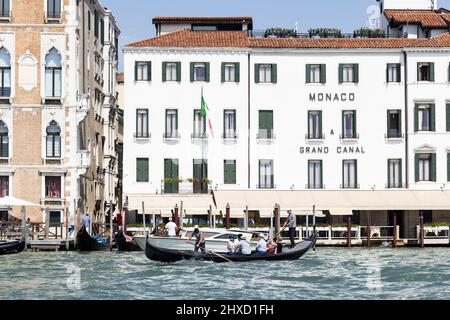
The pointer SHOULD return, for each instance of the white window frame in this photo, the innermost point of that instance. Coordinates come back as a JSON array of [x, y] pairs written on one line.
[[420, 116], [425, 167], [348, 73], [265, 73], [315, 73], [171, 71], [230, 72]]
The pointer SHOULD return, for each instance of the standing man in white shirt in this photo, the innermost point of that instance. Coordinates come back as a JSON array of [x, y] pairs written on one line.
[[171, 228]]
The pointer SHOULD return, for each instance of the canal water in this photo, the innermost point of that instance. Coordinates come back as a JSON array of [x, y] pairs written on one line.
[[328, 273]]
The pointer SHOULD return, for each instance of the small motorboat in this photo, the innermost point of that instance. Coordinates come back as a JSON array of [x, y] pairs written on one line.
[[11, 247], [125, 243], [84, 242], [155, 253]]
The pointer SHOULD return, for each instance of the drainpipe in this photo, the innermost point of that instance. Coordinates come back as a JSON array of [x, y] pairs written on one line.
[[248, 116], [84, 47], [405, 58]]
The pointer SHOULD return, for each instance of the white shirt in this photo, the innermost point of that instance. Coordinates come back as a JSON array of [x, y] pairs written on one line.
[[171, 228], [261, 246], [245, 247]]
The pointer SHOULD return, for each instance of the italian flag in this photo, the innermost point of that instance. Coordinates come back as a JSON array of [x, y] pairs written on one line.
[[204, 113]]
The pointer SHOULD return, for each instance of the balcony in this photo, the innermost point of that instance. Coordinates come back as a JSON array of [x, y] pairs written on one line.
[[265, 136], [349, 136], [230, 136], [142, 136], [5, 16], [350, 186], [319, 186], [395, 185], [394, 136], [53, 17], [199, 136], [171, 136], [315, 137], [266, 186], [185, 186]]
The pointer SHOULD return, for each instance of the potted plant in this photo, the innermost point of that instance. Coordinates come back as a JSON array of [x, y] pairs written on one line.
[[279, 33], [325, 33]]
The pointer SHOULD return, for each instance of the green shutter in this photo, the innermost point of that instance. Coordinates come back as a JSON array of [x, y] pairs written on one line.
[[432, 71], [257, 66], [141, 170], [321, 173], [448, 117], [266, 121], [308, 73], [448, 167], [388, 122], [400, 173], [356, 73], [416, 118], [433, 117], [223, 72], [416, 167], [229, 172], [433, 167], [323, 73], [175, 175], [387, 72], [149, 71], [207, 71], [274, 73], [136, 71], [355, 128], [399, 72], [320, 123], [178, 71], [192, 71], [341, 73], [400, 122], [237, 72], [418, 71], [164, 68], [388, 174]]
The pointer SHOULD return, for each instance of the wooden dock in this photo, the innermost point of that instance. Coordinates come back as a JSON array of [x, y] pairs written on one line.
[[50, 245]]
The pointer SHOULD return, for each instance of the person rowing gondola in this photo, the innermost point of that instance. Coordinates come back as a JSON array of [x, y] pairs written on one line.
[[199, 239]]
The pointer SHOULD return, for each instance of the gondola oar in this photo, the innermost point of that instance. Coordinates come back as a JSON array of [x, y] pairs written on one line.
[[214, 253]]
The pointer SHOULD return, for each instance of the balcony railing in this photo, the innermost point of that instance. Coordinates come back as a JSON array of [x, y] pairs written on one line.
[[145, 135], [266, 186], [5, 92], [171, 136], [315, 186], [394, 135], [349, 136], [395, 185], [199, 136], [350, 186], [230, 136], [265, 135], [310, 136]]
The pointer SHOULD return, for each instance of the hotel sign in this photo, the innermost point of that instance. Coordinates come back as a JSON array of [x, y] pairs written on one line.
[[331, 97], [339, 150]]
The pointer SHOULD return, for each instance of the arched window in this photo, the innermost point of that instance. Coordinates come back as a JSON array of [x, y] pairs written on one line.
[[53, 74], [5, 73], [4, 140], [53, 140]]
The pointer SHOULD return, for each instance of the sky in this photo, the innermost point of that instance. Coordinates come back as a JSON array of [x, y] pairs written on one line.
[[134, 17]]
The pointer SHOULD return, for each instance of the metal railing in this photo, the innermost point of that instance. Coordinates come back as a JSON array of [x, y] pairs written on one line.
[[309, 136], [145, 135], [266, 186], [350, 186], [349, 136], [265, 136], [394, 185], [199, 136], [171, 136], [230, 136], [394, 135], [323, 35], [315, 186]]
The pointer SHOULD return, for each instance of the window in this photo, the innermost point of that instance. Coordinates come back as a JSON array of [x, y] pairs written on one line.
[[53, 187], [171, 123], [448, 167], [53, 74], [5, 8], [199, 72], [96, 21], [349, 125], [230, 72], [265, 73], [424, 117], [171, 179], [200, 179], [349, 174], [4, 186], [315, 125], [425, 71], [143, 71], [448, 117], [229, 172], [393, 72], [142, 170], [54, 9], [394, 173], [199, 125], [394, 121], [4, 140], [265, 124], [142, 123], [266, 174], [348, 73], [315, 73], [425, 167], [171, 71], [315, 180], [229, 124], [53, 140], [5, 73], [55, 218]]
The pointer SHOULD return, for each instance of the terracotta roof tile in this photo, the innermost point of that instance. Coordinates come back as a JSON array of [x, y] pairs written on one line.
[[441, 41], [425, 18]]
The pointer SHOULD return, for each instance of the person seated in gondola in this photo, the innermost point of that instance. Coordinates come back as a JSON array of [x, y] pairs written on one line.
[[272, 246], [231, 245], [244, 246], [279, 244], [261, 247]]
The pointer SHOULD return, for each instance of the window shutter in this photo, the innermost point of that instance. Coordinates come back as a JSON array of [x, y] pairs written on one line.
[[207, 71], [432, 72], [308, 73], [323, 73], [416, 118], [399, 72], [400, 173], [257, 66], [136, 71], [192, 71], [343, 123], [433, 117], [226, 172], [320, 123], [388, 174], [387, 72], [448, 117], [321, 173], [167, 169], [356, 174], [418, 71], [400, 122], [416, 167], [142, 170], [341, 73], [164, 68], [309, 125], [356, 73], [274, 73], [223, 72], [388, 122], [149, 71], [233, 172], [355, 129], [178, 64], [137, 122], [237, 72], [448, 167], [433, 167]]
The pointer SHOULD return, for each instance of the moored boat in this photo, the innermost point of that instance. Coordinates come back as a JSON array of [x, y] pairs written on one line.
[[85, 242], [126, 243], [11, 247]]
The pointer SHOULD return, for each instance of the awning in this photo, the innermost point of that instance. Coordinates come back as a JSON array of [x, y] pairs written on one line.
[[164, 202], [265, 213], [341, 212], [303, 213], [165, 213], [195, 212]]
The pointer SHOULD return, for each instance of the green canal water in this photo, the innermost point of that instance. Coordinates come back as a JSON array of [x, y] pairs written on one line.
[[328, 273]]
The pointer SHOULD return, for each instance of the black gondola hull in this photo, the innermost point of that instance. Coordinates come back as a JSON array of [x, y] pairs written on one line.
[[86, 243], [12, 247], [124, 245]]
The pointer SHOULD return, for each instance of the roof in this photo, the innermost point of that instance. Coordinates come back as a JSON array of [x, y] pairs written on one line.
[[240, 39], [425, 18], [219, 20]]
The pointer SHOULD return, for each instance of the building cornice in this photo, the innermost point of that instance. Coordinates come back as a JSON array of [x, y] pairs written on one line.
[[165, 50]]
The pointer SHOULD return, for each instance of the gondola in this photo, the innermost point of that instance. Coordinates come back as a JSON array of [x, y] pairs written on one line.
[[124, 245], [170, 255], [86, 243], [11, 247]]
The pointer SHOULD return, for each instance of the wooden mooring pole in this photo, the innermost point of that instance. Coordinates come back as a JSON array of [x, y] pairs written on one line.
[[24, 226], [349, 232], [368, 230], [422, 232], [276, 217], [67, 228], [395, 230], [227, 217], [47, 222], [111, 231]]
